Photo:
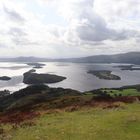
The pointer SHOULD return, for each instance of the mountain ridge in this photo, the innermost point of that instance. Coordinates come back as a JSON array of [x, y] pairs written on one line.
[[130, 57]]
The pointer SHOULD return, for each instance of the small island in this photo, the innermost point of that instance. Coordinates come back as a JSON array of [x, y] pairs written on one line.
[[128, 67], [5, 78], [36, 65], [31, 77], [104, 74]]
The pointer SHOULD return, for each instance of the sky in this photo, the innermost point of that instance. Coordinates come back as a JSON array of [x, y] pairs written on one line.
[[68, 28]]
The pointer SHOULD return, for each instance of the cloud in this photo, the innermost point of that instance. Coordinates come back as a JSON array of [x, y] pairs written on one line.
[[20, 37], [119, 13], [14, 31], [96, 30], [2, 45], [21, 41], [13, 15], [85, 25], [89, 27]]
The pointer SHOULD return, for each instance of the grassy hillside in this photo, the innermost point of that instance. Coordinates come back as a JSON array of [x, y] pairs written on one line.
[[125, 92], [43, 113], [85, 124]]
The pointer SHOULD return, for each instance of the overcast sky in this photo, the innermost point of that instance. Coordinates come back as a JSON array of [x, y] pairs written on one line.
[[68, 28]]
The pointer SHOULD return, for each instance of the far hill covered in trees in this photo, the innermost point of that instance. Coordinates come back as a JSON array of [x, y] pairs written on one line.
[[131, 57]]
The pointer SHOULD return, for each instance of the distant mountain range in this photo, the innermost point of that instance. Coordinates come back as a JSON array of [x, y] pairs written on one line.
[[131, 57]]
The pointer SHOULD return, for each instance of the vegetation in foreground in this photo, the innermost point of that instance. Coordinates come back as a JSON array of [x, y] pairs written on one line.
[[43, 113], [85, 124]]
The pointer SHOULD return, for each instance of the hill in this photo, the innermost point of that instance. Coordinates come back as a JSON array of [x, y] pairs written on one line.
[[131, 57], [40, 113]]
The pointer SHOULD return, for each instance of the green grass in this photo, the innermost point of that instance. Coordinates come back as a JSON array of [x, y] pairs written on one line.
[[85, 124], [125, 92]]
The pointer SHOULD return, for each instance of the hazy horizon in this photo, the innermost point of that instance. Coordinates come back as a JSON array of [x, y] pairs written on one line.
[[68, 28], [62, 56]]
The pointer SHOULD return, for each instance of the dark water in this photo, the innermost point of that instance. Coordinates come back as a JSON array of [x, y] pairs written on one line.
[[76, 73]]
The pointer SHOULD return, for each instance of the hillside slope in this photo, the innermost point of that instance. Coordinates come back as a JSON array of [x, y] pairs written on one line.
[[39, 112]]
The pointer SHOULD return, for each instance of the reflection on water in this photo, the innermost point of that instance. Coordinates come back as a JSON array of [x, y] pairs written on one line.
[[76, 73]]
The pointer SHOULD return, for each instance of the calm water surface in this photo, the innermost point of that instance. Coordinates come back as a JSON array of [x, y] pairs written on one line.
[[76, 73]]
